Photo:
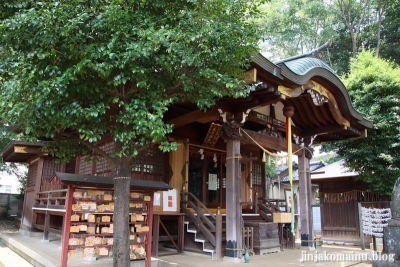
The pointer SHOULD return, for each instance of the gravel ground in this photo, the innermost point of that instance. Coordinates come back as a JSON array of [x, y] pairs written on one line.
[[8, 226]]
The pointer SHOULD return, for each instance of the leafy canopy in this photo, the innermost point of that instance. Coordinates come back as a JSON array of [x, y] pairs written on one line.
[[374, 86], [76, 70], [295, 26]]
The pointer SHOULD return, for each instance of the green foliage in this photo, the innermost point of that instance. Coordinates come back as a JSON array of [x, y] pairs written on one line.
[[272, 170], [76, 70], [374, 86], [295, 27], [328, 160], [390, 48], [341, 50]]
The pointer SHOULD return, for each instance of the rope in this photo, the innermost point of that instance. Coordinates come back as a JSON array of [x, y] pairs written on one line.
[[236, 157], [238, 249], [265, 150], [268, 152], [122, 177]]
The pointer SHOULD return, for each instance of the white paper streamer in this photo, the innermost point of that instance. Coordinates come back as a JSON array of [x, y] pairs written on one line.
[[374, 220]]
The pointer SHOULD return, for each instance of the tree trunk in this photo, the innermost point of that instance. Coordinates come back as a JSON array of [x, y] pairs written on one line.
[[354, 43], [381, 10], [122, 178], [378, 36]]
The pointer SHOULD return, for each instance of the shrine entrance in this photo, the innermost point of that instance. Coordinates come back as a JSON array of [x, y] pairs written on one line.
[[207, 177]]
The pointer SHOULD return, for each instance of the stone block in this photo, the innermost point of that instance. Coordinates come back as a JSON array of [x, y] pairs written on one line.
[[392, 237]]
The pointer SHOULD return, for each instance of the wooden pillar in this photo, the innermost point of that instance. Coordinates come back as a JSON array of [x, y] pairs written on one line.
[[218, 235], [47, 219], [150, 224], [233, 198], [156, 235], [46, 226], [306, 219], [65, 228]]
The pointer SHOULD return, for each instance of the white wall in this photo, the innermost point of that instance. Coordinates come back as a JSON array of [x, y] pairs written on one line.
[[9, 182]]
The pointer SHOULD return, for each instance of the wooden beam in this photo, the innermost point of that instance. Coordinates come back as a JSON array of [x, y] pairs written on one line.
[[260, 102], [344, 229], [26, 150], [260, 118], [322, 130], [243, 160], [269, 142], [197, 115], [334, 109], [251, 76]]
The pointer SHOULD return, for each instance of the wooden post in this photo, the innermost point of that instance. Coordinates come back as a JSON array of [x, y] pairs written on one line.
[[233, 196], [218, 235], [46, 226], [306, 221], [361, 226], [65, 229], [181, 232], [256, 202], [156, 234], [150, 224], [184, 199], [251, 181], [47, 218]]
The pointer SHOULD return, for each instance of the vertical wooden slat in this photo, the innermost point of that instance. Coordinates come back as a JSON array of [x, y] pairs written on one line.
[[218, 235], [65, 229], [46, 226], [150, 224], [181, 232], [156, 234]]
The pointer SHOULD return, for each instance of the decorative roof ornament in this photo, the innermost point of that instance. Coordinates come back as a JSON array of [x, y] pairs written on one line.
[[317, 98]]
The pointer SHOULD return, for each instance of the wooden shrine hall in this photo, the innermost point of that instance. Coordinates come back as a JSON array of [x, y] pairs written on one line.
[[218, 168]]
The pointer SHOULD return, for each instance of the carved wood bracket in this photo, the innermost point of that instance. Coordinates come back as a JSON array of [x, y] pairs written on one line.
[[230, 130]]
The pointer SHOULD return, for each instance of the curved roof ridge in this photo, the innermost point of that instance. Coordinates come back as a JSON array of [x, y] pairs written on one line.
[[314, 53]]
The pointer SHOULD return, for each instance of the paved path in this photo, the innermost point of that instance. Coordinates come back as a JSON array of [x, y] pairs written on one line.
[[49, 253], [285, 258], [11, 259]]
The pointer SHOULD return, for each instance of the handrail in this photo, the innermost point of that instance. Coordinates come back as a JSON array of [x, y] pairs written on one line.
[[47, 200], [214, 231], [199, 203], [53, 191], [270, 203]]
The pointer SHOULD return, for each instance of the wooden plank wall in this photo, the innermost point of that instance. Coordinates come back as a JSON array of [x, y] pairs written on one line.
[[339, 219]]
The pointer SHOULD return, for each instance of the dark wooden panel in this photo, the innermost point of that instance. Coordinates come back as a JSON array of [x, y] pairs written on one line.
[[344, 229]]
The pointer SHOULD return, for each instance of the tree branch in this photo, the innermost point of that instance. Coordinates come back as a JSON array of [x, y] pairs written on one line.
[[174, 89], [89, 145]]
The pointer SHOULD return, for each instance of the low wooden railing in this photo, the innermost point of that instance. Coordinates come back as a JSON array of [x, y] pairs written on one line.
[[286, 237], [266, 207], [211, 229], [48, 202], [54, 199]]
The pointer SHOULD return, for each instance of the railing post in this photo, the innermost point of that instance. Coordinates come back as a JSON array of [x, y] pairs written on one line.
[[184, 199], [46, 226], [256, 203], [199, 212], [49, 195], [218, 234], [47, 219]]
